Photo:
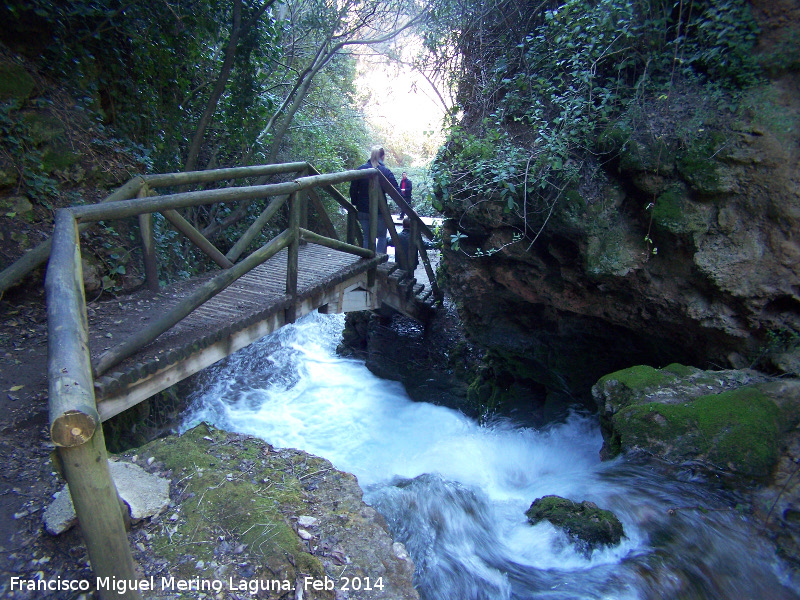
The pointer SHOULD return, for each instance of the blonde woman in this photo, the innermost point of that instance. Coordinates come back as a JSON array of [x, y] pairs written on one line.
[[359, 196]]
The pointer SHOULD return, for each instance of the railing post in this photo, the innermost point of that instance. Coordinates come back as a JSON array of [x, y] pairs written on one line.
[[352, 225], [423, 253], [303, 198], [148, 245], [400, 257], [374, 202], [75, 426], [197, 238], [412, 246], [293, 251], [254, 229]]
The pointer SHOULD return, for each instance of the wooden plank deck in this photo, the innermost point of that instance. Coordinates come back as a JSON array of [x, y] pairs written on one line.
[[251, 307]]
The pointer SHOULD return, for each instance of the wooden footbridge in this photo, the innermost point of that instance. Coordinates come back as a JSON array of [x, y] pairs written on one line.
[[296, 272]]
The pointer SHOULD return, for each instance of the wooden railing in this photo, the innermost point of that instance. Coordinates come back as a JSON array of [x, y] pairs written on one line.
[[75, 425]]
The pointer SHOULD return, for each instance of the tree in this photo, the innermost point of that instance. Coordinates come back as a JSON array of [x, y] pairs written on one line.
[[319, 34], [238, 31]]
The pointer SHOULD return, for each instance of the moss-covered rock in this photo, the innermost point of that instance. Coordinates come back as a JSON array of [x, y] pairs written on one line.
[[675, 212], [43, 127], [242, 509], [700, 168], [645, 155], [617, 251], [58, 159], [730, 421], [589, 526]]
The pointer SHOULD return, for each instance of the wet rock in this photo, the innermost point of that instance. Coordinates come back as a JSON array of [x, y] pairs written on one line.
[[435, 364], [306, 521], [591, 527], [731, 422]]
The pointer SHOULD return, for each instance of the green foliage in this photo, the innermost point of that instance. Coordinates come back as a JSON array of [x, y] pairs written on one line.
[[141, 74], [547, 90], [782, 340], [24, 152], [721, 42]]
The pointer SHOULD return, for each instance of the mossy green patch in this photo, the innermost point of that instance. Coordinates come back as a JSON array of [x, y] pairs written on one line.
[[238, 490], [681, 370], [574, 201], [735, 430], [700, 169], [15, 83], [649, 155], [57, 160], [763, 107], [613, 140], [42, 127], [640, 377], [676, 213], [584, 522], [610, 253]]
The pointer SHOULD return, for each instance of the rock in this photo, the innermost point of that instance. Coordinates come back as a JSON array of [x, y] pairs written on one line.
[[721, 421], [8, 177], [787, 362], [15, 82], [266, 516], [306, 521], [145, 495], [591, 527], [60, 515], [20, 205], [92, 276], [719, 207], [435, 365]]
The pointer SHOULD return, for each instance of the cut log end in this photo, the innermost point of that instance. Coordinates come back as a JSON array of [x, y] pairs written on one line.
[[73, 428]]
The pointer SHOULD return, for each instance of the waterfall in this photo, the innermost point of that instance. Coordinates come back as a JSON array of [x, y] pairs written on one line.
[[455, 491]]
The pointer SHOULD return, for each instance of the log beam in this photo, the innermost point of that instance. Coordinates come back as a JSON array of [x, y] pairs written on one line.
[[254, 229], [197, 238], [315, 238], [74, 422]]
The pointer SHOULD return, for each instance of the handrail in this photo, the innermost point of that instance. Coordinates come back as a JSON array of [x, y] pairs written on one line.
[[202, 294], [248, 236], [190, 177], [37, 256], [130, 208], [401, 202]]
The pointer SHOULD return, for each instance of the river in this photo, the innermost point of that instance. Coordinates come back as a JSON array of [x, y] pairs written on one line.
[[455, 491]]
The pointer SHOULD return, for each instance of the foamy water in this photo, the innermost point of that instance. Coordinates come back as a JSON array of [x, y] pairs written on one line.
[[455, 492]]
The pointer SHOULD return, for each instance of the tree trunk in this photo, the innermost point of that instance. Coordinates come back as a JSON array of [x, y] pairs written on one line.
[[219, 88]]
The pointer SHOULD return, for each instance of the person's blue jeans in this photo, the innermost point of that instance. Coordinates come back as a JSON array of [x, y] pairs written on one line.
[[380, 245]]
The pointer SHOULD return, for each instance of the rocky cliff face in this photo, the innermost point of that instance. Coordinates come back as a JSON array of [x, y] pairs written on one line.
[[678, 244], [683, 247]]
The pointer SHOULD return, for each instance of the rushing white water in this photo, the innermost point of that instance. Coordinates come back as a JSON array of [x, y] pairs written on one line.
[[455, 492]]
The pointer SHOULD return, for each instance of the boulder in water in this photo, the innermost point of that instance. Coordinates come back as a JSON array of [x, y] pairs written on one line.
[[584, 522], [721, 421]]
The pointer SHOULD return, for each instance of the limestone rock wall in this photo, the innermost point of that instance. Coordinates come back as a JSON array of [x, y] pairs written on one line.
[[718, 280]]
